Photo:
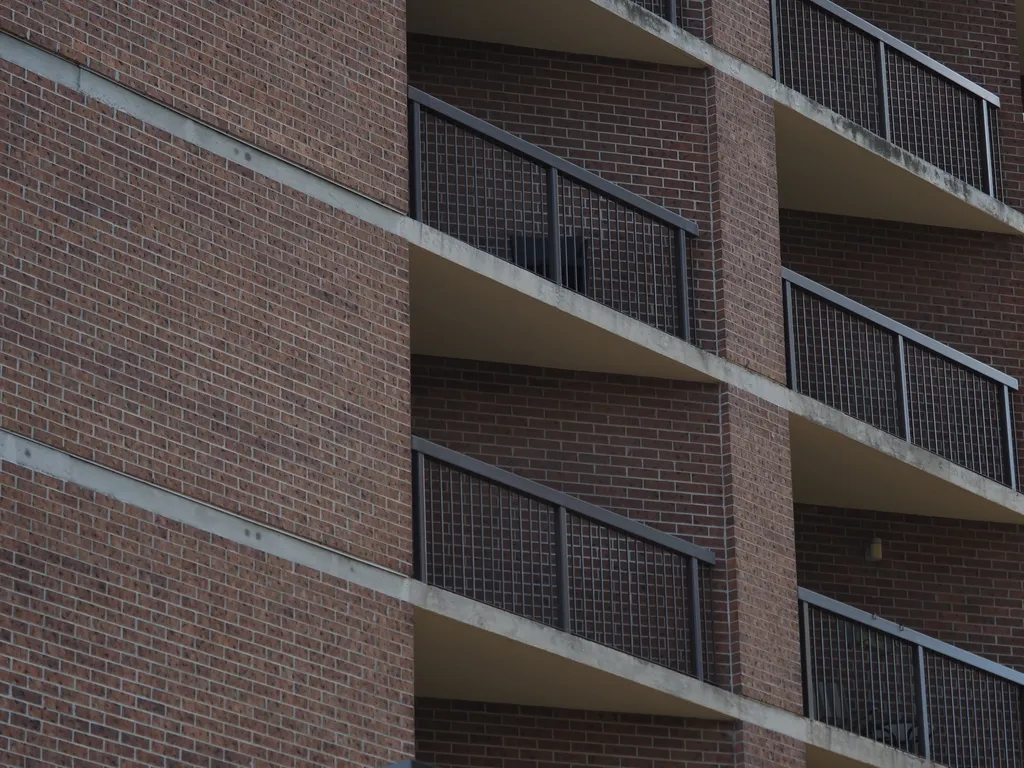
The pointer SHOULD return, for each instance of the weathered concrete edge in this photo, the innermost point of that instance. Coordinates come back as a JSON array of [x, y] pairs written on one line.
[[729, 65], [216, 142], [73, 76], [36, 457]]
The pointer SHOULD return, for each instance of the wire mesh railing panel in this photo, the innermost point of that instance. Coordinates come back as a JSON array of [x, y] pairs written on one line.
[[907, 690], [955, 413], [618, 256], [482, 193], [506, 541], [845, 361], [489, 543], [857, 70], [975, 717], [829, 61], [628, 594], [936, 120], [859, 680], [519, 203], [885, 374]]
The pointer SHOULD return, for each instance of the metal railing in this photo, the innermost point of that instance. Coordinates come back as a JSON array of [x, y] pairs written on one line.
[[670, 10], [498, 538], [522, 204], [907, 690], [868, 76], [901, 381]]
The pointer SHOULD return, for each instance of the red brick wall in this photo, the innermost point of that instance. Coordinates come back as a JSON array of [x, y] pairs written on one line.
[[130, 640], [758, 748], [450, 734], [742, 28], [956, 580], [763, 637], [179, 319], [641, 126], [977, 40], [957, 286], [746, 236], [322, 84]]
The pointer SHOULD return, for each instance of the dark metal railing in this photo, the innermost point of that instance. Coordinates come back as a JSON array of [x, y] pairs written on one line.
[[901, 381], [522, 204], [669, 10], [868, 76], [512, 543], [907, 690]]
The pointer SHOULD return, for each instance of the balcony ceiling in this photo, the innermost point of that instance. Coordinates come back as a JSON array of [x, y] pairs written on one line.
[[833, 470], [456, 312], [573, 26], [821, 170], [458, 661]]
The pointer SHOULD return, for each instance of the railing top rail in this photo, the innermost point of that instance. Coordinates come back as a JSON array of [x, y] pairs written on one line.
[[544, 157], [559, 499], [889, 324], [908, 51], [909, 635]]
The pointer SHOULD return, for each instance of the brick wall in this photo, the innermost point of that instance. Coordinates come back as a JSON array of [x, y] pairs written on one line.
[[760, 560], [641, 126], [746, 236], [959, 287], [130, 640], [450, 734], [322, 84], [741, 28], [977, 40], [956, 580], [187, 322]]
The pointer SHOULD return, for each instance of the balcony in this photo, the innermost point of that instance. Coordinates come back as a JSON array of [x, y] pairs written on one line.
[[896, 94], [513, 544], [900, 381], [512, 200], [906, 690]]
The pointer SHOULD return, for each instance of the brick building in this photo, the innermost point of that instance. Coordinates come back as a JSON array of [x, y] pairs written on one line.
[[511, 385]]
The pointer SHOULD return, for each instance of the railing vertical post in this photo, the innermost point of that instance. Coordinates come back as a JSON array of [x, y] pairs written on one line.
[[787, 300], [921, 705], [554, 235], [986, 149], [776, 50], [1009, 454], [671, 11], [562, 568], [683, 288], [902, 398], [419, 518], [696, 628], [415, 158], [882, 70], [807, 657]]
